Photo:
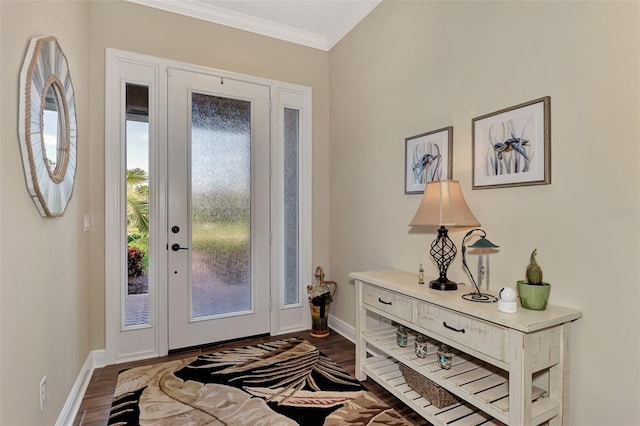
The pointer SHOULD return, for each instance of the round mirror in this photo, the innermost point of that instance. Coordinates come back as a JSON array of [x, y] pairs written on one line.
[[50, 129], [54, 139], [48, 126]]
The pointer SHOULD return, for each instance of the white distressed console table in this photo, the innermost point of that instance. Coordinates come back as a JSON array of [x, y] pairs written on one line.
[[509, 368]]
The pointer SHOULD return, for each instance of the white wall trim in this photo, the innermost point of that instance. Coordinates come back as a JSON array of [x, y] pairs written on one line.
[[126, 345], [229, 18], [347, 23], [123, 342], [95, 359], [200, 9], [295, 316], [342, 328], [347, 331], [99, 358]]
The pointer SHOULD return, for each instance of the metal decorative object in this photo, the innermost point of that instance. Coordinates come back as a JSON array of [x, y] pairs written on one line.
[[484, 247], [443, 252]]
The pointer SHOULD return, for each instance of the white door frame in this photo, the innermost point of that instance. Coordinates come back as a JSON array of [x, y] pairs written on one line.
[[131, 343]]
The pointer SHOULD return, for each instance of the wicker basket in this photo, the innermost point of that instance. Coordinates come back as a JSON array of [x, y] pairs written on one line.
[[426, 388]]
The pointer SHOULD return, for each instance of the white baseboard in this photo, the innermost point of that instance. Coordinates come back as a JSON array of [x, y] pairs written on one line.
[[99, 358], [347, 331], [95, 359], [342, 328]]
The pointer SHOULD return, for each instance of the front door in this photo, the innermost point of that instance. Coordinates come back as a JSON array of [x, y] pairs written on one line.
[[218, 209]]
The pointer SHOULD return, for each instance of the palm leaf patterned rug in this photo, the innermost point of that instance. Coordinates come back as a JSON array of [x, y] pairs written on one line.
[[286, 382]]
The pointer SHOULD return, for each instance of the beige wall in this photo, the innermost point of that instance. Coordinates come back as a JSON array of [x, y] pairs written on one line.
[[411, 67], [44, 268], [135, 28], [55, 313]]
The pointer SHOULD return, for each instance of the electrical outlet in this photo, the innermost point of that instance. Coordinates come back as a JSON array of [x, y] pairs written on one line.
[[43, 392]]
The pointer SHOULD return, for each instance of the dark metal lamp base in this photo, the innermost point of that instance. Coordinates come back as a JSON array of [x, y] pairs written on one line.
[[445, 284]]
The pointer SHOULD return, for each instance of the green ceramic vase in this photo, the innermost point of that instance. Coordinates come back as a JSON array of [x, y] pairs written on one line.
[[534, 297]]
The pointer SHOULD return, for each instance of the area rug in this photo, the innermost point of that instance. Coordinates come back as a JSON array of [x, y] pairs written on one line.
[[286, 382]]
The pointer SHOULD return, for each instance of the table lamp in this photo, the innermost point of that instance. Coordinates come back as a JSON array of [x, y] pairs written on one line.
[[443, 205]]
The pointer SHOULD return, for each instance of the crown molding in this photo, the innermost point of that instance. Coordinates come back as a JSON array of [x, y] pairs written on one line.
[[362, 9], [201, 10]]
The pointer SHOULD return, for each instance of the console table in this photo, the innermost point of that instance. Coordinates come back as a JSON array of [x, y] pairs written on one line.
[[508, 368]]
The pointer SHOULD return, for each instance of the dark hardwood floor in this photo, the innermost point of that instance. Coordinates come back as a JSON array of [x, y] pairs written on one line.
[[96, 405]]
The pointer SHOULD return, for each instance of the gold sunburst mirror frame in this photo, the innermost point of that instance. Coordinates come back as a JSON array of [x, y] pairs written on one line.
[[47, 126]]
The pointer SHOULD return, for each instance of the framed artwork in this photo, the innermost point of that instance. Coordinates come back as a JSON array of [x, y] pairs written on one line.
[[427, 157], [512, 147]]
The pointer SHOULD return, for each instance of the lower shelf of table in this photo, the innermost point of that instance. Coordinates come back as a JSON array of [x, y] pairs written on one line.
[[386, 372], [478, 383]]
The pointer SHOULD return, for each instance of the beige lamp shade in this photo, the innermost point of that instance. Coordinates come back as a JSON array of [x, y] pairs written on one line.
[[443, 205]]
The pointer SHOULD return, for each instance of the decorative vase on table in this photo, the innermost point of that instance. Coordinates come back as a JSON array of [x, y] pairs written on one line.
[[402, 337], [533, 292], [445, 357], [421, 346]]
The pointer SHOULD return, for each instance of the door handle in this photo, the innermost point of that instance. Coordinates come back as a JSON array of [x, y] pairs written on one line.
[[176, 247]]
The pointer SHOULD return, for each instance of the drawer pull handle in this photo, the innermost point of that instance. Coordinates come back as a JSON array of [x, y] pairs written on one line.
[[459, 330], [382, 301]]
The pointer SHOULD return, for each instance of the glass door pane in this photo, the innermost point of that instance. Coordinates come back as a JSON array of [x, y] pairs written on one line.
[[291, 211], [221, 205], [137, 179]]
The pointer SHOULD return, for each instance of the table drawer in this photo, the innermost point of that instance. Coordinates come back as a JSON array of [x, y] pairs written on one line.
[[473, 333], [388, 301]]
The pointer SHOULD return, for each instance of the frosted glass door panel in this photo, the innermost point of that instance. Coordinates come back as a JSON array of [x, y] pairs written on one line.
[[291, 211], [221, 205]]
